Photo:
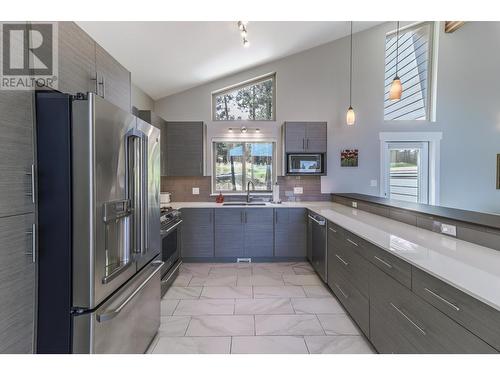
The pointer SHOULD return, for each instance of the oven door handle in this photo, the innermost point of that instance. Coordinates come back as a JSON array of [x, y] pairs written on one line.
[[172, 228]]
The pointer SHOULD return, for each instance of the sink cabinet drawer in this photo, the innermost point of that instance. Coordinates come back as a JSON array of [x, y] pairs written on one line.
[[412, 325], [354, 302], [477, 317]]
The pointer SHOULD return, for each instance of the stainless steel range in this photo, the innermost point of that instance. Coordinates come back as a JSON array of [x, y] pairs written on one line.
[[170, 231]]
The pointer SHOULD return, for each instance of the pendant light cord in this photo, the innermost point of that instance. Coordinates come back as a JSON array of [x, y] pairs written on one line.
[[397, 49], [350, 73]]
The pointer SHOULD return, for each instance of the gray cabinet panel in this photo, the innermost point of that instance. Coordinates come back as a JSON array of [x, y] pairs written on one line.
[[474, 315], [316, 136], [16, 152], [423, 327], [114, 79], [17, 285], [229, 232], [295, 136], [184, 149], [152, 118], [77, 58], [259, 232], [197, 233], [290, 232]]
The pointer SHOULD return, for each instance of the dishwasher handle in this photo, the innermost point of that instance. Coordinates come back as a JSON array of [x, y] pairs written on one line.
[[319, 222]]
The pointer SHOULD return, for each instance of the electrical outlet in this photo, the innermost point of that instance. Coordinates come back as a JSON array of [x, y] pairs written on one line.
[[354, 204], [448, 229], [373, 183], [298, 190], [196, 191]]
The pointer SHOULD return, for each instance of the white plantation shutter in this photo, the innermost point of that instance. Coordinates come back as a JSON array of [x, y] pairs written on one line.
[[414, 70]]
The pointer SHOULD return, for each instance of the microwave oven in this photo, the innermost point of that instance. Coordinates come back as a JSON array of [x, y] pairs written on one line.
[[305, 164]]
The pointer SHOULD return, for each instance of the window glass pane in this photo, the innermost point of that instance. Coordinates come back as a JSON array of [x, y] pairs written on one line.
[[259, 165], [229, 166], [413, 67], [253, 101], [404, 177]]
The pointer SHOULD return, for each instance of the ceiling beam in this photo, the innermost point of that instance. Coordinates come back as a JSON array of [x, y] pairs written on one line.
[[452, 26]]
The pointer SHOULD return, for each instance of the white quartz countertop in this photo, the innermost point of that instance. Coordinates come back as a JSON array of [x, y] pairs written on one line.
[[471, 268]]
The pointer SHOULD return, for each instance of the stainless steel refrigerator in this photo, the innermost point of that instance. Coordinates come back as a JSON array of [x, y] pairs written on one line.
[[98, 186]]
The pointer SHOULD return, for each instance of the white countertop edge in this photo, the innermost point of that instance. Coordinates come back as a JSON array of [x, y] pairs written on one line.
[[341, 215]]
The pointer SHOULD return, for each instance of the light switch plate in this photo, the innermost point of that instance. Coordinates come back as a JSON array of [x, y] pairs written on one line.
[[448, 229], [196, 191], [373, 183], [354, 204], [298, 190]]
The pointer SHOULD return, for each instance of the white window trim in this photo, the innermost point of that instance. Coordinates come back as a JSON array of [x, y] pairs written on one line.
[[434, 140], [244, 140]]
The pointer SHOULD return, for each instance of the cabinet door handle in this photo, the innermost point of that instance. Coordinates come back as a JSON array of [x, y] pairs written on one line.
[[420, 329], [341, 291], [307, 144], [32, 177], [241, 216], [352, 242], [437, 296], [246, 219], [388, 265], [276, 217], [333, 230], [102, 83], [33, 243], [341, 260]]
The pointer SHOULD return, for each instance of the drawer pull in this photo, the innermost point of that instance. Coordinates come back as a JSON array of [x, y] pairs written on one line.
[[341, 260], [452, 305], [341, 291], [409, 320], [388, 265], [351, 241], [333, 230]]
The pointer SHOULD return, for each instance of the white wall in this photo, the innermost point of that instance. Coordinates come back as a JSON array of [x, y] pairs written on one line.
[[313, 85], [141, 100]]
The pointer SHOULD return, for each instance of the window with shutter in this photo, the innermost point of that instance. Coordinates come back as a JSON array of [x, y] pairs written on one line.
[[414, 67]]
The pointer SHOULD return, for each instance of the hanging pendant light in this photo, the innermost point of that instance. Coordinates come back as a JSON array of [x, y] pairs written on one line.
[[350, 116], [396, 88]]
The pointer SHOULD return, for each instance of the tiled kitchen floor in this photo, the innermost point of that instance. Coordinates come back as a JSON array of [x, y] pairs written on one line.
[[254, 308]]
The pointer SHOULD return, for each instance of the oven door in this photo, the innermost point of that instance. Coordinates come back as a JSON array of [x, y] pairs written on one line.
[[305, 164], [170, 246]]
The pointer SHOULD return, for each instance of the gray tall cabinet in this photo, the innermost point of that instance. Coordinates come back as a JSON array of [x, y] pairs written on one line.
[[83, 66]]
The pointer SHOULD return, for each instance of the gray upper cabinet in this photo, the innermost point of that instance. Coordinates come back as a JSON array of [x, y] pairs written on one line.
[[229, 232], [77, 53], [259, 232], [16, 152], [155, 120], [184, 148], [290, 232], [113, 79], [197, 233], [310, 137], [17, 285], [152, 118]]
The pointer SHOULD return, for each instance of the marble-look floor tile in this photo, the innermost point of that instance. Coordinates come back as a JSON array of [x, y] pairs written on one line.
[[226, 292], [261, 280], [223, 325], [272, 269], [263, 306], [287, 325], [338, 324], [303, 269], [214, 280], [302, 280], [268, 345], [182, 279], [195, 269], [316, 306], [338, 345], [316, 291], [182, 292], [278, 291], [205, 307], [193, 345], [228, 271], [173, 325], [168, 306]]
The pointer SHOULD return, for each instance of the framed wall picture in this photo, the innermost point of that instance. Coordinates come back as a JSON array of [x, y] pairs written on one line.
[[349, 158], [498, 171]]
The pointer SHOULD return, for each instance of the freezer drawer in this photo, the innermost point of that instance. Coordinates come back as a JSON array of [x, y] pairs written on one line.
[[127, 322]]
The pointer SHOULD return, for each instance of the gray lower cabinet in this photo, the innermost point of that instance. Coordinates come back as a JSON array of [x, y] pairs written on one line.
[[17, 284], [184, 155], [290, 233], [229, 232], [76, 64], [259, 232], [197, 234], [402, 322]]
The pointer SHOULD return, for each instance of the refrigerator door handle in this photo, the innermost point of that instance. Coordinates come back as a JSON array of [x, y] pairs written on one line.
[[108, 315]]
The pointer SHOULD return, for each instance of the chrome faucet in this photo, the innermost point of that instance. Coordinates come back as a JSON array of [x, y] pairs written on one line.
[[248, 189]]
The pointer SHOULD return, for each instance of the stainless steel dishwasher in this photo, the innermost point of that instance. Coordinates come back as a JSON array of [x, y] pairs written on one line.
[[317, 241]]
